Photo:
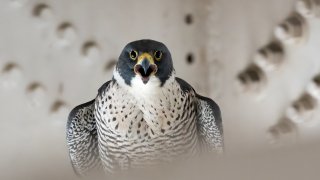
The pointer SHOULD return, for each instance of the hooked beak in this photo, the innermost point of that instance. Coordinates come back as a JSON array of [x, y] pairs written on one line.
[[145, 67]]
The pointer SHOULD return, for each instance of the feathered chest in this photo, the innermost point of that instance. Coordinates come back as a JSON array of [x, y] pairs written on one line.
[[135, 130], [137, 116]]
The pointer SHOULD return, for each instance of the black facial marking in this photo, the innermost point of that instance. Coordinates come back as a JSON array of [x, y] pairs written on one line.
[[125, 64]]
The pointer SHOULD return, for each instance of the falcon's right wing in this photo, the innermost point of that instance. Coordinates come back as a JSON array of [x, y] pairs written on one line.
[[82, 139]]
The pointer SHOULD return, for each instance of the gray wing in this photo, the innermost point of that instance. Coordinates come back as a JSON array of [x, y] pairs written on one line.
[[209, 122], [82, 139]]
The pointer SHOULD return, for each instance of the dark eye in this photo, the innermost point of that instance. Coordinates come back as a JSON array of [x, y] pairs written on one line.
[[133, 54], [158, 55]]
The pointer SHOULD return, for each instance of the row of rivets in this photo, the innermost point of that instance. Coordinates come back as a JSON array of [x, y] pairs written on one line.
[[293, 30], [268, 58]]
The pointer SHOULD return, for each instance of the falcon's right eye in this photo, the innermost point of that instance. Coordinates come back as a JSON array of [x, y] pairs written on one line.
[[133, 55]]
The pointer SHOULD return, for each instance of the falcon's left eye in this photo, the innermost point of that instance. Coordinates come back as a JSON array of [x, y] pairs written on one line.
[[158, 55]]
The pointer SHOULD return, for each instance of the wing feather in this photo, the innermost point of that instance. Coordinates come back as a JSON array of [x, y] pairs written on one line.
[[209, 121], [82, 139]]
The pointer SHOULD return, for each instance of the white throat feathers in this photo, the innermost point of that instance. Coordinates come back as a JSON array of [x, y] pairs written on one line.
[[153, 100]]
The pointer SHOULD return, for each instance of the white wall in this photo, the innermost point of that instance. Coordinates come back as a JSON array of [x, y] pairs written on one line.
[[55, 54]]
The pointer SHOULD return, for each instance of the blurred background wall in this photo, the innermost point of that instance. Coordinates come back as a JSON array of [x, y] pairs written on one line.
[[258, 59]]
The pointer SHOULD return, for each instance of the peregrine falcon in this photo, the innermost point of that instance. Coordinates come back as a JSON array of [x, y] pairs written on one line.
[[142, 116]]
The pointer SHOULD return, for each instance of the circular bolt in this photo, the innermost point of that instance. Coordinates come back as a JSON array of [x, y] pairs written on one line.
[[292, 30], [302, 109], [252, 78], [270, 56]]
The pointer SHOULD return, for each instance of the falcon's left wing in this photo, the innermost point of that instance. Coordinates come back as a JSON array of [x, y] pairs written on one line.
[[209, 122]]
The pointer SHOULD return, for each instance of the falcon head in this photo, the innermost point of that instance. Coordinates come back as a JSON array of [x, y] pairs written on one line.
[[145, 62]]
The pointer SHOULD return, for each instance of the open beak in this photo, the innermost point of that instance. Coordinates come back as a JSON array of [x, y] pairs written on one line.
[[145, 67]]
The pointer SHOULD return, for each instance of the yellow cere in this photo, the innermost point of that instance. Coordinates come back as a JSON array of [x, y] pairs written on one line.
[[145, 56]]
